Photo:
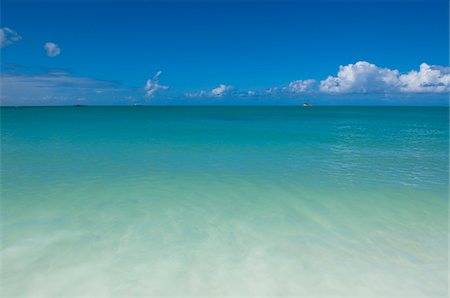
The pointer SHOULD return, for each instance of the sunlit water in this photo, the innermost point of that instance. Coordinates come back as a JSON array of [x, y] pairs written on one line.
[[213, 201]]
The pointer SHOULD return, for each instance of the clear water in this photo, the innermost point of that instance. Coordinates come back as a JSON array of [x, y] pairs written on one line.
[[214, 201]]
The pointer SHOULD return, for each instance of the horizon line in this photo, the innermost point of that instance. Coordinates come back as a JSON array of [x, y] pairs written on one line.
[[198, 106]]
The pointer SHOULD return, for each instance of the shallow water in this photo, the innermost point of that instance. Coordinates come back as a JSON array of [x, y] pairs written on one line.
[[215, 201]]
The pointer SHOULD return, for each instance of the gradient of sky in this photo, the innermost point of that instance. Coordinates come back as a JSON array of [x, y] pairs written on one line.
[[109, 49]]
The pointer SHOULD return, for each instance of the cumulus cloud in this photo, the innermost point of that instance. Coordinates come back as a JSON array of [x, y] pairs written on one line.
[[8, 37], [152, 85], [429, 78], [361, 77], [52, 49], [364, 77]]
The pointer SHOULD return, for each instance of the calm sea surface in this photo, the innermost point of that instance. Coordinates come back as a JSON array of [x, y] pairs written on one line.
[[148, 201]]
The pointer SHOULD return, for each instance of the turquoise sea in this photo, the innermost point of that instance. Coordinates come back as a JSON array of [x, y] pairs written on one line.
[[224, 201]]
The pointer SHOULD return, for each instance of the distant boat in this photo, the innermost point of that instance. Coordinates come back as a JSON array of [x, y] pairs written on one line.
[[79, 106], [307, 104]]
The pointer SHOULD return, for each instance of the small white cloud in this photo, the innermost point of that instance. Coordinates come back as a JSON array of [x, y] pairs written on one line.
[[152, 85], [428, 79], [221, 90], [294, 87], [52, 49], [272, 90], [300, 86], [8, 37]]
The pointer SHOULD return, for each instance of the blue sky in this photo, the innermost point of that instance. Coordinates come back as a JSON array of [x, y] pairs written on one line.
[[235, 52]]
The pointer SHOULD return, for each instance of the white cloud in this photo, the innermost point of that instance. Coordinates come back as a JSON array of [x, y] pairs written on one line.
[[152, 85], [293, 88], [428, 79], [8, 37], [364, 77], [300, 86], [361, 77], [52, 49], [219, 91]]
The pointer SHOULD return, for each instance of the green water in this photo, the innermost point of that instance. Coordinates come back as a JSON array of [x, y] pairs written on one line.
[[224, 201]]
